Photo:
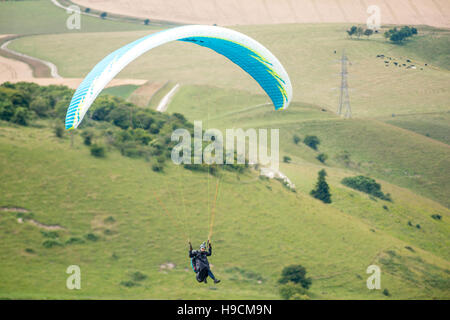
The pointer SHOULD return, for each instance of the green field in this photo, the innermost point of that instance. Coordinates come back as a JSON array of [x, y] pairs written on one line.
[[123, 91]]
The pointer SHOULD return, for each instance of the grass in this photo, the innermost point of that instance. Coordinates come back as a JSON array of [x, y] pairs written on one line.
[[434, 126], [252, 222], [383, 150], [123, 91]]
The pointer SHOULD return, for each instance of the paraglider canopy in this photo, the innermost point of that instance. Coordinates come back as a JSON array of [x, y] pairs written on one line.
[[244, 51]]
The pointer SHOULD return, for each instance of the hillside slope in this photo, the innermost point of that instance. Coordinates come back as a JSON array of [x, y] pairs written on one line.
[[262, 225]]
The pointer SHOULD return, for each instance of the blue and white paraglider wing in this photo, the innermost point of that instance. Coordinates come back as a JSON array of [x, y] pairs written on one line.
[[244, 51]]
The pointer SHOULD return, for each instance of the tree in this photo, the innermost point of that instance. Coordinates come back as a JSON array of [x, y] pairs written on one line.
[[98, 151], [368, 32], [296, 139], [287, 159], [322, 189], [352, 31], [359, 32], [312, 141], [322, 157], [146, 22], [103, 15], [295, 274]]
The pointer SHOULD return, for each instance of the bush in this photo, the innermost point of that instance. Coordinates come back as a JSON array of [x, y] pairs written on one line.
[[386, 292], [98, 151], [287, 159], [21, 116], [91, 237], [312, 141], [436, 217], [138, 276], [157, 167], [366, 185], [129, 283], [50, 234], [295, 274], [51, 243], [322, 157], [87, 135], [59, 131], [296, 139], [292, 291], [75, 240]]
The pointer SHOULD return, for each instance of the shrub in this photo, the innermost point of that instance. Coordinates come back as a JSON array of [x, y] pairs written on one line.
[[157, 167], [312, 141], [296, 139], [51, 243], [74, 240], [436, 217], [59, 131], [29, 250], [386, 292], [50, 234], [98, 151], [287, 159], [295, 274], [292, 291], [129, 284], [110, 219], [138, 276], [91, 237], [322, 157], [21, 116], [87, 135], [366, 185]]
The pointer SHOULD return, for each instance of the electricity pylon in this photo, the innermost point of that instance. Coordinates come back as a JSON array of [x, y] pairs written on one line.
[[344, 100]]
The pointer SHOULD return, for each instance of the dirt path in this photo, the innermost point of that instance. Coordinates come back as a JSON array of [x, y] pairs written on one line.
[[164, 103], [24, 57]]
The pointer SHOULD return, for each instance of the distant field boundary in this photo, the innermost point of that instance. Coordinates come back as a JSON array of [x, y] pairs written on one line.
[[63, 4]]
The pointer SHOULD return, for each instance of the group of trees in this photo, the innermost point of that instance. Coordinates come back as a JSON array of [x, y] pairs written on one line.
[[394, 35], [312, 142], [111, 122], [359, 31], [398, 35], [294, 283]]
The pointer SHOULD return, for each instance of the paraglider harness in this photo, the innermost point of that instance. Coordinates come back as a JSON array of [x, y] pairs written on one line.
[[194, 262]]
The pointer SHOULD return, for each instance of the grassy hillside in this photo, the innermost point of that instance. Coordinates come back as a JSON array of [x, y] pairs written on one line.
[[258, 223], [385, 151], [306, 51]]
